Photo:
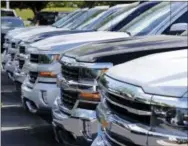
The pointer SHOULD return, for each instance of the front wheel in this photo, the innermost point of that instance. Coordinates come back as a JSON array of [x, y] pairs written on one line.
[[29, 106]]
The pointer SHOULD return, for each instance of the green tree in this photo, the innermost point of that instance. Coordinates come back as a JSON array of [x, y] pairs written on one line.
[[35, 6]]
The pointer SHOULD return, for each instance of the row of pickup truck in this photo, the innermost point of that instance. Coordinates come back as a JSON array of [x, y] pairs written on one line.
[[118, 73]]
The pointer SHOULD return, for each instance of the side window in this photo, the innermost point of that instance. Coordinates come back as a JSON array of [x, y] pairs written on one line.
[[181, 19]]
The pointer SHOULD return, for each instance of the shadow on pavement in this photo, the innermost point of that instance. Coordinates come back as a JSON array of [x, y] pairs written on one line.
[[39, 136], [19, 127]]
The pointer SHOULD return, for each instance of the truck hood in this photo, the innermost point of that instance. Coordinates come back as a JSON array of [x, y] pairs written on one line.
[[160, 74], [96, 51], [44, 35], [4, 30], [16, 31], [33, 31], [59, 41]]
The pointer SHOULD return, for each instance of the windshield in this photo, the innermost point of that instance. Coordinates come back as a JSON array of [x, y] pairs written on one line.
[[7, 13], [107, 17], [5, 22], [91, 21], [64, 19], [147, 21], [107, 26], [75, 16], [84, 18]]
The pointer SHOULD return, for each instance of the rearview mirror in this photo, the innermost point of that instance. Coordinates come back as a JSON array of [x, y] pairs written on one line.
[[178, 28]]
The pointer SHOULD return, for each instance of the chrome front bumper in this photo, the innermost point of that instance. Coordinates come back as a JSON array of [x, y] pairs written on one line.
[[11, 65], [12, 50], [124, 132], [19, 76], [81, 124], [36, 94]]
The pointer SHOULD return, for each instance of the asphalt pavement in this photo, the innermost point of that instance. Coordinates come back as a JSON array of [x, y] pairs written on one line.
[[19, 127]]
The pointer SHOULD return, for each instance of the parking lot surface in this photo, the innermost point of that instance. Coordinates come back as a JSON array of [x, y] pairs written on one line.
[[18, 127]]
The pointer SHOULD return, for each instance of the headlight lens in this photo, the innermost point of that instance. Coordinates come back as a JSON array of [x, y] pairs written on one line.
[[47, 59], [89, 73]]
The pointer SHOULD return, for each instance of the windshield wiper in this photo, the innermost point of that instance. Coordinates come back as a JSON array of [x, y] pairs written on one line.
[[128, 33]]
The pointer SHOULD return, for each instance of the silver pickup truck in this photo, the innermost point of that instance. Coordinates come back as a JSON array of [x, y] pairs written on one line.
[[118, 11], [33, 34], [39, 89], [80, 69], [145, 102]]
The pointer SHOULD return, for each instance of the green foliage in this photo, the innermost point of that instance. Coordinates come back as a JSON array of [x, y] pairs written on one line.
[[27, 9], [25, 13]]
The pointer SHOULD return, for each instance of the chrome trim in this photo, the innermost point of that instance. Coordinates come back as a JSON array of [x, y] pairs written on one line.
[[165, 101], [76, 112], [112, 139], [72, 62], [124, 90], [131, 110]]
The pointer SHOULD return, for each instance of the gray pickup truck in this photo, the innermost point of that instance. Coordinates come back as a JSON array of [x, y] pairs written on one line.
[[145, 102]]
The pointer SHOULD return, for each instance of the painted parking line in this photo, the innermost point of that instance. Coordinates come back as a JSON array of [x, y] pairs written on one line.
[[14, 128], [12, 105]]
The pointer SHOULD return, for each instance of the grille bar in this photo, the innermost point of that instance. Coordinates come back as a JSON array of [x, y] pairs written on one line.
[[21, 63], [69, 98], [134, 110], [13, 45], [12, 56], [22, 49], [34, 58], [70, 72]]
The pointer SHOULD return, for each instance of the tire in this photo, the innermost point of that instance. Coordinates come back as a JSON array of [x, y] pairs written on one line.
[[29, 106]]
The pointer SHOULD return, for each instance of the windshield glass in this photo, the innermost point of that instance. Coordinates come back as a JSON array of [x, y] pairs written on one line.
[[5, 22], [92, 13], [107, 26], [64, 19], [77, 15], [7, 13], [91, 21], [107, 17], [150, 19]]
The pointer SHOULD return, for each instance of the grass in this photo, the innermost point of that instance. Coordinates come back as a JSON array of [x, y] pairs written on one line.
[[28, 13], [65, 9], [24, 13]]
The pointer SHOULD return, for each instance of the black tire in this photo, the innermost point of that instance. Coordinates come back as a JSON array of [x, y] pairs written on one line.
[[25, 104]]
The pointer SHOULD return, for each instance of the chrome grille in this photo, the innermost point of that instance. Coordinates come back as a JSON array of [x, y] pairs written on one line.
[[70, 72], [123, 106], [69, 98], [34, 58], [21, 63], [33, 76], [128, 103], [22, 49], [13, 45], [7, 40], [12, 56]]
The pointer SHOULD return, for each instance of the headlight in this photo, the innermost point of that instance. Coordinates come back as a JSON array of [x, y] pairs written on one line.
[[49, 58], [89, 73]]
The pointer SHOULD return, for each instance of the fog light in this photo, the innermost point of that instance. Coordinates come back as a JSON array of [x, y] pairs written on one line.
[[44, 97]]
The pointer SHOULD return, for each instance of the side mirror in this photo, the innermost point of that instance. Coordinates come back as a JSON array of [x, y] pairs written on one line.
[[178, 28], [185, 33]]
